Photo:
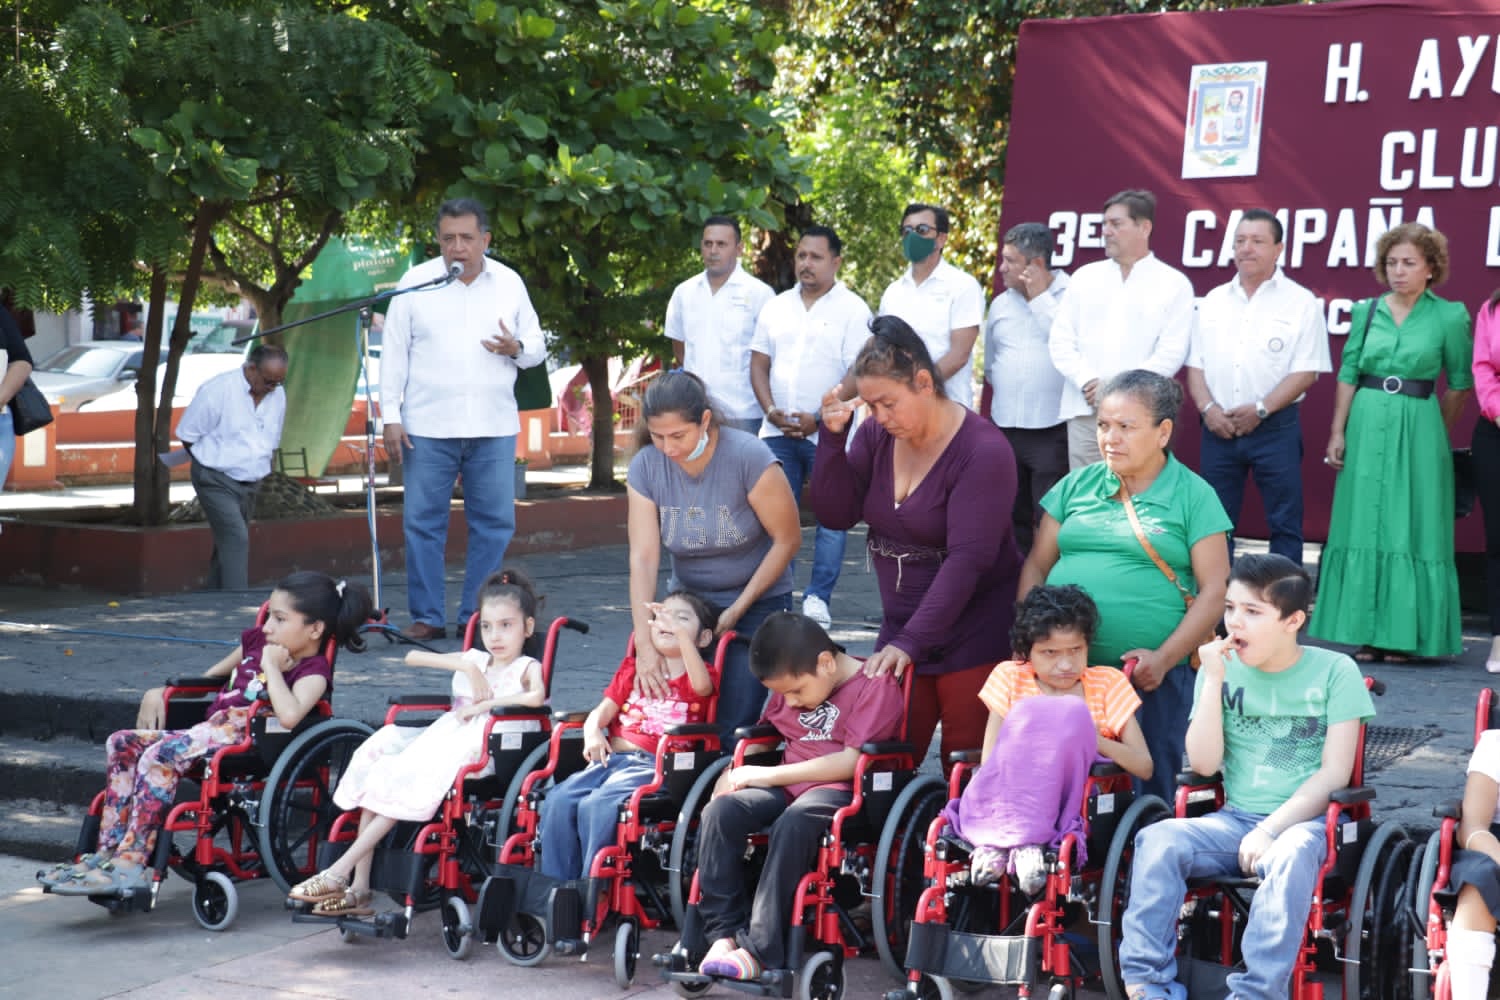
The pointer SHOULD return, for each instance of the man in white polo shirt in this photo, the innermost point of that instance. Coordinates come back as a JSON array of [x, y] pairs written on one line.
[[805, 341], [1127, 311], [230, 431], [944, 305], [447, 390], [1258, 346], [711, 318]]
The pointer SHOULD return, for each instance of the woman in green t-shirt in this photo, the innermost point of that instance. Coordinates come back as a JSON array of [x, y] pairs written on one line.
[[1086, 538]]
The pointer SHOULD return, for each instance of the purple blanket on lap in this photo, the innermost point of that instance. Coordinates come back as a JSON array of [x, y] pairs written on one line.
[[1030, 790]]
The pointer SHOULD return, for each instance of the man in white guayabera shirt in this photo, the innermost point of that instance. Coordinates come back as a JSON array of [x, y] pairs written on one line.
[[711, 318], [447, 388], [1127, 311]]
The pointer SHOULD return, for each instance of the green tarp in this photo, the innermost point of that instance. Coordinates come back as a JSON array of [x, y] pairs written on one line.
[[324, 371]]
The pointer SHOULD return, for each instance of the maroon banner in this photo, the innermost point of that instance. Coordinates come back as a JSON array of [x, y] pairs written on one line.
[[1342, 118]]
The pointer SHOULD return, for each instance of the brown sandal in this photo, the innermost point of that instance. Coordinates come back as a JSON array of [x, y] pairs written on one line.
[[324, 885], [347, 904]]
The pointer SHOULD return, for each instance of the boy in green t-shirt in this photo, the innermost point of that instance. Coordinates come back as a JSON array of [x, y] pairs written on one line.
[[1282, 723]]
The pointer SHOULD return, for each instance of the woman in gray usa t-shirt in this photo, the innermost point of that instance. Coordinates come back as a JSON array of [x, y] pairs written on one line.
[[717, 500]]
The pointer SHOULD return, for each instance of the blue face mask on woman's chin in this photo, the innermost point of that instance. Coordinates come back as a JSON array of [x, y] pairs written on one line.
[[697, 452]]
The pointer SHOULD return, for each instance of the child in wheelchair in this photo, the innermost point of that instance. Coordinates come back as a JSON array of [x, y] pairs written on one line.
[[620, 737], [403, 774], [1475, 876], [825, 707], [280, 662], [1051, 717], [1282, 722]]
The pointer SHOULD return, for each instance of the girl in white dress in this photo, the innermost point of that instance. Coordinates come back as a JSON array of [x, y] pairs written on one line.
[[401, 772]]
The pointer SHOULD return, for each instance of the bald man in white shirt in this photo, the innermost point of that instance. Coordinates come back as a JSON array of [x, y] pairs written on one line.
[[448, 369]]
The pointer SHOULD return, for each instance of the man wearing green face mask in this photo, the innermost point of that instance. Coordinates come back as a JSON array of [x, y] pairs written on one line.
[[941, 303]]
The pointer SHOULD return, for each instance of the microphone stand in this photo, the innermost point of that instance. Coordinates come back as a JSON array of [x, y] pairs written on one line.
[[379, 620]]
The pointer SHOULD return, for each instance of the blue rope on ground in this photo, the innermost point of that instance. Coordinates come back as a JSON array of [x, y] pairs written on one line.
[[68, 630]]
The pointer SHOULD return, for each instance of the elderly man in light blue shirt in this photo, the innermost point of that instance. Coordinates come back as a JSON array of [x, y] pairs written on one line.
[[1027, 387], [230, 430]]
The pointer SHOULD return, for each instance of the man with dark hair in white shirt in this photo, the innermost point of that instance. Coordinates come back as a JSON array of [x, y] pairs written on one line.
[[1258, 346], [1027, 386], [711, 318], [1128, 311], [448, 370], [230, 430]]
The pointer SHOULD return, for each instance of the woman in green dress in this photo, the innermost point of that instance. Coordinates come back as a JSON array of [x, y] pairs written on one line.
[[1387, 581]]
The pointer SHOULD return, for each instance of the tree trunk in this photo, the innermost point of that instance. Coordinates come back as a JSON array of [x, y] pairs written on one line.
[[602, 460], [154, 430]]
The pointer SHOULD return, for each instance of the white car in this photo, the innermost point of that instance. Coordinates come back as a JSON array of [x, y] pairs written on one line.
[[193, 372], [76, 375]]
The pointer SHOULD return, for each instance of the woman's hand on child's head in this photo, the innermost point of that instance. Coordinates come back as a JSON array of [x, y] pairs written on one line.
[[887, 660]]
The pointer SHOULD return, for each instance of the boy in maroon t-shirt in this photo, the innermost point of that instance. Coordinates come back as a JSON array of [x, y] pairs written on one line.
[[825, 707]]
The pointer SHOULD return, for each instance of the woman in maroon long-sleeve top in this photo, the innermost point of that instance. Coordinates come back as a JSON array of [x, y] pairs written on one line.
[[934, 482]]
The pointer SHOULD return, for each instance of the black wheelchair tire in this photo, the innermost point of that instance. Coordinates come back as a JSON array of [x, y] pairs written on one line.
[[285, 827]]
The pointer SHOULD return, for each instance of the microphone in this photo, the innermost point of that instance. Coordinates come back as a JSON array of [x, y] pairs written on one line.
[[455, 270]]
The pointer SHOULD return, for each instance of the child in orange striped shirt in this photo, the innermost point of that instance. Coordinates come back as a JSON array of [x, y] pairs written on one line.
[[1051, 716]]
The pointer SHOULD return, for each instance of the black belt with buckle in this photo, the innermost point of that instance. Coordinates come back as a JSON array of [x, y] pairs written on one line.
[[1395, 385]]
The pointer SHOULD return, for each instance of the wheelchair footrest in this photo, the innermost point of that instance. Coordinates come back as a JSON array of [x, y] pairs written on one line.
[[939, 950]]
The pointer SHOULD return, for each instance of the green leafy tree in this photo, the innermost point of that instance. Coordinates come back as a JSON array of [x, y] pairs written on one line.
[[603, 134], [234, 115]]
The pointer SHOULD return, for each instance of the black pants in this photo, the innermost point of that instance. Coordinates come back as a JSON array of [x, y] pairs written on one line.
[[796, 833], [1041, 460], [1486, 445]]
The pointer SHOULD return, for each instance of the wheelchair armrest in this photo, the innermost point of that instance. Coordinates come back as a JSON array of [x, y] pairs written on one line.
[[757, 733], [965, 756], [576, 718], [886, 748], [1192, 779], [425, 698], [1351, 796], [581, 628], [204, 683], [1450, 809], [521, 711], [691, 729], [1105, 769]]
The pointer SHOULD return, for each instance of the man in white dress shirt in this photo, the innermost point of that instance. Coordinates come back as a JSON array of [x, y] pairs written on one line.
[[805, 341], [941, 303], [230, 431], [711, 318], [1027, 387], [1128, 311], [447, 389], [1258, 346]]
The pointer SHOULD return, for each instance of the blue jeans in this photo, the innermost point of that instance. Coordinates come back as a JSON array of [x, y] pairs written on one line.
[[1169, 853], [488, 465], [1272, 453], [7, 441], [578, 816], [1164, 722], [796, 457], [741, 696]]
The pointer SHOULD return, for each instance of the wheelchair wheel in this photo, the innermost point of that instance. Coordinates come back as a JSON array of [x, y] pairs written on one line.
[[296, 806], [1114, 887], [682, 861], [1369, 949], [458, 928], [506, 821], [524, 941], [1060, 991], [1412, 919], [215, 901], [1422, 972], [822, 977], [627, 949], [899, 876]]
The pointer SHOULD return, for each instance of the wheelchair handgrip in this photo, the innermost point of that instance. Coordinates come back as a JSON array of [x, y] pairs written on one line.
[[521, 711], [1190, 779], [756, 732], [561, 716], [1450, 809], [1377, 686], [577, 626], [691, 729], [432, 698], [965, 756], [208, 683], [886, 747], [1352, 796]]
